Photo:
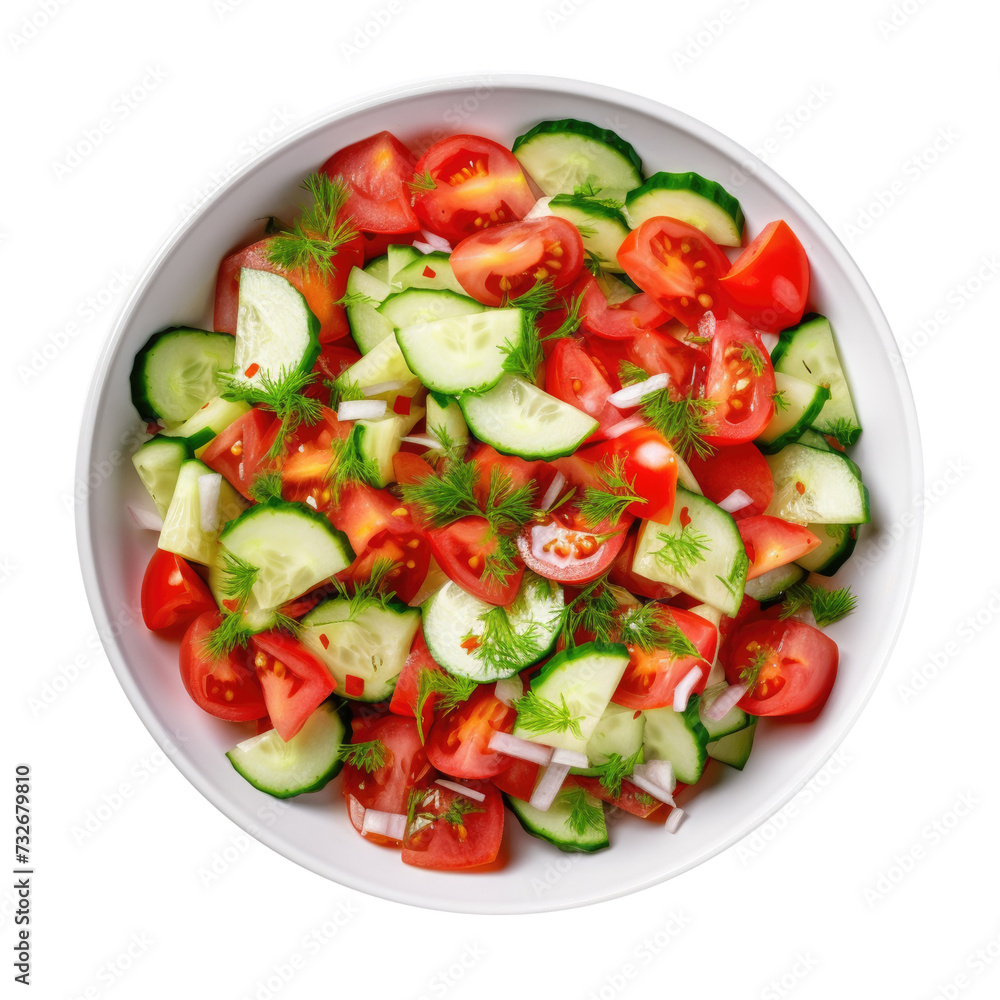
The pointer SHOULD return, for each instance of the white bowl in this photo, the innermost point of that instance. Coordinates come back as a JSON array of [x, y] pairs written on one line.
[[314, 830]]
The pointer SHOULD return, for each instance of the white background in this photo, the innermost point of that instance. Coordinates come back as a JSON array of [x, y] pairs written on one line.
[[880, 878]]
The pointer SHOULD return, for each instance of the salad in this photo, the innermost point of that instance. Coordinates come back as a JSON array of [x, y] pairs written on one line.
[[507, 480]]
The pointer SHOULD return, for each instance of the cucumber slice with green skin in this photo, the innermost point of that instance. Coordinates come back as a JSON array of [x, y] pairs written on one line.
[[379, 268], [770, 585], [562, 155], [445, 420], [813, 439], [158, 463], [463, 353], [619, 730], [803, 403], [378, 440], [554, 824], [174, 373], [809, 351], [182, 532], [836, 546], [306, 763], [368, 326], [584, 678], [208, 422], [451, 615], [693, 199], [518, 418], [679, 737], [425, 305], [398, 257], [372, 647], [732, 722], [602, 226], [275, 329], [293, 547], [817, 487], [734, 749], [383, 363], [430, 271], [704, 557]]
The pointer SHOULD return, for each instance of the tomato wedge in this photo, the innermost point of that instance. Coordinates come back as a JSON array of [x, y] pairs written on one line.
[[465, 184], [632, 799], [459, 742], [407, 691], [622, 321], [451, 831], [771, 542], [658, 353], [409, 553], [223, 686], [305, 467], [172, 592], [518, 778], [498, 265], [738, 467], [364, 511], [768, 285], [564, 549], [648, 465], [240, 452], [461, 550], [572, 375]]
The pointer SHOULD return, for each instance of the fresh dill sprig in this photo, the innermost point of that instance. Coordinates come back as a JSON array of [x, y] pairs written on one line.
[[750, 674], [595, 611], [368, 756], [828, 606], [342, 390], [266, 486], [349, 465], [753, 357], [683, 551], [649, 628], [593, 262], [523, 358], [630, 373], [507, 506], [539, 715], [448, 690], [233, 631], [454, 815], [697, 339], [608, 501], [585, 812], [737, 573], [368, 593], [425, 183], [537, 299], [844, 431], [239, 577], [499, 647], [356, 299], [683, 422], [616, 769], [591, 193], [447, 496], [571, 323], [780, 400]]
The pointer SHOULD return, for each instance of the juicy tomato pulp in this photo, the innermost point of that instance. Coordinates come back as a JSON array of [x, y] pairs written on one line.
[[240, 452], [622, 321], [459, 741], [172, 592], [677, 265], [565, 549], [305, 466], [224, 686], [657, 353], [376, 171], [465, 184], [449, 831], [768, 285], [500, 264], [461, 550], [771, 542], [648, 466], [739, 467], [406, 693], [789, 667], [572, 375]]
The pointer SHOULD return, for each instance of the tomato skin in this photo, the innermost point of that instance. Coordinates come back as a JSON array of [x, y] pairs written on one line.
[[458, 743], [294, 682], [572, 376], [650, 465], [798, 675], [307, 457], [477, 184], [521, 472], [632, 799], [651, 677], [622, 575], [376, 170], [240, 451], [738, 467], [518, 778], [333, 360], [407, 690], [172, 592], [620, 322], [208, 679], [660, 257], [656, 353], [563, 549], [364, 511], [460, 550], [409, 468], [768, 284], [407, 550], [771, 542], [504, 262]]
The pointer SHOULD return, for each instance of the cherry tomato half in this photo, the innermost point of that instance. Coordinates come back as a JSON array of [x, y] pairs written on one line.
[[771, 542], [172, 592]]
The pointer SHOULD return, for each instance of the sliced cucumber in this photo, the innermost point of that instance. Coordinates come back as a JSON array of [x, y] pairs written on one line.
[[462, 353], [817, 487], [809, 351], [158, 463], [182, 532], [679, 737], [693, 199], [583, 678], [306, 763], [732, 722], [619, 730], [368, 326], [734, 749], [383, 363], [700, 551], [836, 544], [208, 422], [768, 586], [813, 439], [275, 329], [432, 271], [445, 420], [602, 226], [802, 403], [174, 373], [451, 615], [397, 258], [378, 440], [424, 305], [367, 651], [562, 155], [518, 418], [555, 824], [379, 268]]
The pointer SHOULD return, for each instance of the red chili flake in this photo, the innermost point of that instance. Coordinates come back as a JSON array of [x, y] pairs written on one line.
[[152, 428], [324, 641], [635, 715], [428, 273], [401, 405], [231, 604], [685, 517], [471, 643], [252, 370], [800, 488], [355, 686]]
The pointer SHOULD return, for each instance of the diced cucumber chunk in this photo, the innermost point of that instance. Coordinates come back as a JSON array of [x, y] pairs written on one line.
[[445, 420], [158, 463], [801, 404], [693, 199], [518, 418], [174, 373], [182, 531], [836, 545], [383, 363], [378, 440], [306, 763], [368, 326], [451, 615], [679, 737], [431, 271], [734, 749], [371, 647], [399, 256], [602, 226], [379, 268], [700, 552], [619, 731], [556, 824], [732, 722], [207, 423], [769, 585], [813, 439], [424, 305], [817, 487]]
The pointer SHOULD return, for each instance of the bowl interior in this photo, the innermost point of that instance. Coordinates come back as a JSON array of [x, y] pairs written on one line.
[[314, 830]]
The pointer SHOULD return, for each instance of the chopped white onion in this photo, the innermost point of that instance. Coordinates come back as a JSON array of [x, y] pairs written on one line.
[[423, 440], [362, 409], [572, 758], [385, 824], [311, 501], [736, 500], [540, 209], [422, 247], [725, 702], [508, 690], [548, 786], [674, 819], [769, 340], [659, 772], [651, 788], [435, 241], [379, 387], [146, 519], [683, 690], [623, 427], [514, 746], [209, 491], [454, 786], [632, 395], [554, 491]]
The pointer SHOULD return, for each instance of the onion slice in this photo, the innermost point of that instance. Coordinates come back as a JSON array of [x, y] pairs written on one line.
[[385, 824], [146, 519], [659, 773], [651, 788], [548, 786], [736, 500], [683, 690], [554, 491], [435, 241], [380, 387], [724, 702], [362, 409], [674, 819], [632, 395], [540, 210], [209, 492], [423, 440], [508, 690], [624, 426], [514, 746], [454, 786], [571, 758]]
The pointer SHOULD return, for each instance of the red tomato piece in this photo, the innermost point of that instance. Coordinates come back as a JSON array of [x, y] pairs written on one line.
[[633, 800], [520, 471], [305, 467], [409, 468], [459, 742], [619, 322], [649, 466], [407, 691], [738, 467], [518, 778], [377, 244], [564, 549], [240, 452], [407, 550], [771, 542], [172, 592], [332, 362], [364, 511], [461, 550], [659, 353], [572, 375]]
